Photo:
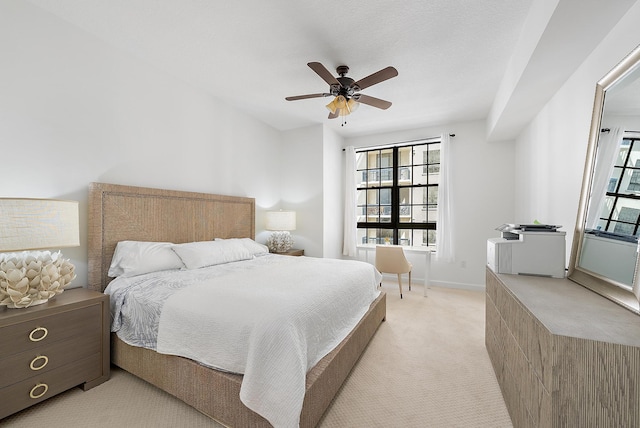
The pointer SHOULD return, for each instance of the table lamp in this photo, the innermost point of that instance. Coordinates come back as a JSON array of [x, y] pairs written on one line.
[[280, 222], [28, 277]]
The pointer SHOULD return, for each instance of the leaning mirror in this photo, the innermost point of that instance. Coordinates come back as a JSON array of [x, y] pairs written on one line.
[[604, 255]]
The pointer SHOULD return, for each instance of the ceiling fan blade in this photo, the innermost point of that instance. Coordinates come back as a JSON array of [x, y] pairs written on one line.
[[334, 115], [377, 77], [372, 101], [304, 97], [324, 73]]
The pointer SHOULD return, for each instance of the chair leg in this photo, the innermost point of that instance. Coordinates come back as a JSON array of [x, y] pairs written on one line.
[[409, 280], [400, 284]]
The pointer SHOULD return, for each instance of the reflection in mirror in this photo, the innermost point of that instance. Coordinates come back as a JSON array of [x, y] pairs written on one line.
[[611, 227], [605, 250]]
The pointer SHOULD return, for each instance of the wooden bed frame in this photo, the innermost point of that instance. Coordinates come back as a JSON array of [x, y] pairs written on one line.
[[118, 213]]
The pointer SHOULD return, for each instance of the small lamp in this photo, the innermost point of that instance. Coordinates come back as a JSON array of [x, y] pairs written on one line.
[[31, 278], [280, 222]]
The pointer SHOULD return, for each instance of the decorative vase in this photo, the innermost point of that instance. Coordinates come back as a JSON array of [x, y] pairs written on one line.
[[33, 277], [280, 242]]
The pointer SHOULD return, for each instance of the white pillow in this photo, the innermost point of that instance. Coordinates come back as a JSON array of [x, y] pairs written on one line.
[[252, 246], [137, 257], [195, 255]]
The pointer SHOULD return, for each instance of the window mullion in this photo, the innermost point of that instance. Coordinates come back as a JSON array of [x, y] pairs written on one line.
[[395, 198], [624, 165]]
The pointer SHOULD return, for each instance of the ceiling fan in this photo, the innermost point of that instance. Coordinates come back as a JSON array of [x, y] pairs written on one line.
[[346, 90]]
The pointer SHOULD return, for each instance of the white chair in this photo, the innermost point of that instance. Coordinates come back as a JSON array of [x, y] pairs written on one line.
[[391, 259]]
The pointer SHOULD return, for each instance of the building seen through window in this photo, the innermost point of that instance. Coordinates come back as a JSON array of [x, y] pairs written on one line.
[[621, 210], [397, 194]]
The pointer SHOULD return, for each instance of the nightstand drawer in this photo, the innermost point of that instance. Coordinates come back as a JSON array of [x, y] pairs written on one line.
[[47, 358], [49, 348], [35, 334], [40, 387]]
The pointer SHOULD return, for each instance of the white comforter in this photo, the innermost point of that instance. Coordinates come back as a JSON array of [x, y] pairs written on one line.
[[272, 319]]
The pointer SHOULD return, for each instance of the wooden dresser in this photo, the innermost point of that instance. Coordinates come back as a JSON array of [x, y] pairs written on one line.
[[49, 348], [563, 355]]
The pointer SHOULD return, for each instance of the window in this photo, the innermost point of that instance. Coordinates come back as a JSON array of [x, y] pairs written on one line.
[[634, 182], [397, 194], [621, 212]]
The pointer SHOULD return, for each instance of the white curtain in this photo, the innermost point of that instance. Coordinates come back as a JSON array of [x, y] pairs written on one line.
[[350, 226], [444, 232], [606, 155]]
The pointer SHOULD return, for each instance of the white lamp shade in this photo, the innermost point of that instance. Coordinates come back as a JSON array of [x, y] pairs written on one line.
[[281, 220], [34, 224]]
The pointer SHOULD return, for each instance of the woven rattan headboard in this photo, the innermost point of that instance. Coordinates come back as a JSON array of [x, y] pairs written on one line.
[[119, 213]]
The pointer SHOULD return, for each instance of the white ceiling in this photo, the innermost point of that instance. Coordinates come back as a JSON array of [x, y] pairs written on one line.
[[453, 56]]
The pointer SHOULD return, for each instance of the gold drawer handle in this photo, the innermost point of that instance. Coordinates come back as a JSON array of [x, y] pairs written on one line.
[[41, 366], [36, 330], [40, 385]]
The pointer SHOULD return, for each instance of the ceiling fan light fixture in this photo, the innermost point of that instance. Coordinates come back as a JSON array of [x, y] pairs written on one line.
[[352, 105], [338, 103], [342, 106], [332, 106]]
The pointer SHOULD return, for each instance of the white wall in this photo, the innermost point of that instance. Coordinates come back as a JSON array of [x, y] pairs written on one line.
[[550, 152], [73, 110], [482, 188], [301, 172], [333, 207], [628, 122], [311, 177]]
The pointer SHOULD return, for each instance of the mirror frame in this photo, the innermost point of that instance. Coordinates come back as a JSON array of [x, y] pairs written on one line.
[[604, 286]]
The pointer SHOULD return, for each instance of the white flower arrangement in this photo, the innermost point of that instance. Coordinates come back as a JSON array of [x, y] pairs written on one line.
[[32, 277]]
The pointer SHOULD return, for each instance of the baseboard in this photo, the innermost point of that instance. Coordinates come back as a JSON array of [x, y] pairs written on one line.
[[458, 285], [435, 283]]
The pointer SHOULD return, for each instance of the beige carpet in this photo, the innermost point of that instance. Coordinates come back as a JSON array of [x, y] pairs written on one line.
[[427, 366]]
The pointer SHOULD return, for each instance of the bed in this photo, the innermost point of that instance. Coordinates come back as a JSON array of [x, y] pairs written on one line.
[[119, 213]]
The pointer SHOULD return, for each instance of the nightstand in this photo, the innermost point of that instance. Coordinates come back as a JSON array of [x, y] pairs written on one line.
[[292, 252], [53, 347]]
